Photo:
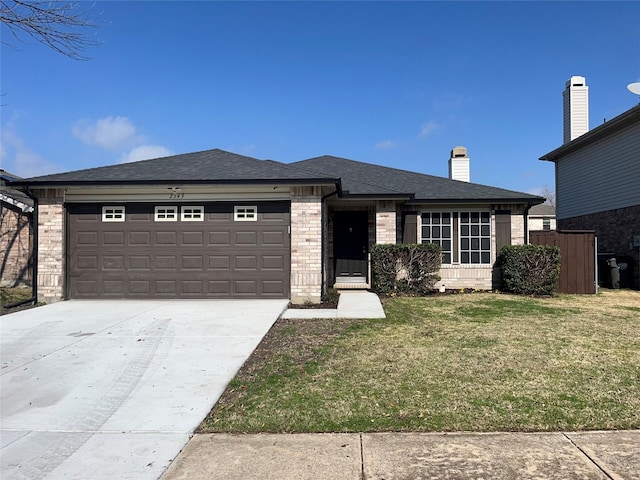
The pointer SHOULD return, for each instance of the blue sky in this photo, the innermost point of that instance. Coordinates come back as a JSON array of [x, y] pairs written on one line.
[[391, 83]]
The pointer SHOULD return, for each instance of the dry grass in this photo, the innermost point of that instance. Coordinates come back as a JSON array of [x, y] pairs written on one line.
[[475, 362]]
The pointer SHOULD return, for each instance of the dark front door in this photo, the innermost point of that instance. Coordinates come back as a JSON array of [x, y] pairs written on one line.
[[350, 243]]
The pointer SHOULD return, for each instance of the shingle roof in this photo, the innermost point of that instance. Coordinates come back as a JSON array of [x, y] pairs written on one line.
[[365, 179], [542, 210], [210, 166], [221, 167], [12, 195]]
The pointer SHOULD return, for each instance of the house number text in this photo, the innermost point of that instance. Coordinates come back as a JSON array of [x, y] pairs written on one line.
[[176, 195]]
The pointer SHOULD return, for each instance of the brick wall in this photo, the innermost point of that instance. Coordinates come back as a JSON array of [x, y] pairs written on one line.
[[386, 227], [15, 248], [50, 245], [306, 244], [614, 229]]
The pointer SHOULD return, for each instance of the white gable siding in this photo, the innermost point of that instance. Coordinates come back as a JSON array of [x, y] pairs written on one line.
[[602, 176]]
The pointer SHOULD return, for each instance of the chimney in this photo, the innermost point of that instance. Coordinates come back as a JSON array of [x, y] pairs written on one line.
[[575, 102], [459, 165]]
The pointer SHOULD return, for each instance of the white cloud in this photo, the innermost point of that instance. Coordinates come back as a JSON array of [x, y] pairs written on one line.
[[386, 145], [428, 128], [19, 159], [110, 133], [146, 152]]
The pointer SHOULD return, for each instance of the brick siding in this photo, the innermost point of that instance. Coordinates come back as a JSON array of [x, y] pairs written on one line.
[[15, 248], [386, 227], [306, 244], [50, 245]]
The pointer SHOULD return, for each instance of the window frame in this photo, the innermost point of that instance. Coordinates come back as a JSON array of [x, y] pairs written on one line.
[[480, 244], [194, 209], [118, 213], [245, 213], [440, 238], [157, 213]]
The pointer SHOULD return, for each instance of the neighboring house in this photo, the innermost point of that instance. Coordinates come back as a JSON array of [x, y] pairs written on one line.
[[214, 224], [16, 209], [542, 217], [598, 182]]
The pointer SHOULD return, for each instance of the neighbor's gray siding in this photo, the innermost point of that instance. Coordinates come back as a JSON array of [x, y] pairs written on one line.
[[602, 176]]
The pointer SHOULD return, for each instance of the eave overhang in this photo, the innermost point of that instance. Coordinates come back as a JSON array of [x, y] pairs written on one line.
[[621, 121]]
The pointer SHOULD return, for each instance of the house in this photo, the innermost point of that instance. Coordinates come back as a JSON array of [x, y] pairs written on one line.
[[215, 224], [16, 209], [598, 179], [542, 217]]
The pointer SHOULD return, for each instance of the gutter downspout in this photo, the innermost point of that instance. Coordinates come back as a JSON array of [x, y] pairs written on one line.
[[34, 255], [526, 223], [323, 242]]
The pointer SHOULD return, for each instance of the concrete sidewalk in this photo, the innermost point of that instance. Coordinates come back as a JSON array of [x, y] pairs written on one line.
[[352, 304], [388, 456]]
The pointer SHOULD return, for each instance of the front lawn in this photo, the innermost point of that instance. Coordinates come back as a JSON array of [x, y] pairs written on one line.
[[468, 362]]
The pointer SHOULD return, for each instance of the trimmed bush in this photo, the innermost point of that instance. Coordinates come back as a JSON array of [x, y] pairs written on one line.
[[405, 268], [530, 269]]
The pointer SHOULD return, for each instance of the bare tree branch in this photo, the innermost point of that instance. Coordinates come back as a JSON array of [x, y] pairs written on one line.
[[62, 26]]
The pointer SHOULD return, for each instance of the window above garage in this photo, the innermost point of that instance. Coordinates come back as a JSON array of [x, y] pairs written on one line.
[[166, 214], [192, 214], [245, 214], [113, 214]]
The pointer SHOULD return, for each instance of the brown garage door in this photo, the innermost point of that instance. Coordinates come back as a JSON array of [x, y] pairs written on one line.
[[200, 250]]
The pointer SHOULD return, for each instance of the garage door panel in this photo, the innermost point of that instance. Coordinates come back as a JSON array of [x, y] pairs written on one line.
[[140, 239], [139, 262], [214, 258], [192, 239], [192, 262], [166, 239], [113, 262], [246, 239], [86, 239], [222, 239], [219, 262], [113, 239], [166, 287]]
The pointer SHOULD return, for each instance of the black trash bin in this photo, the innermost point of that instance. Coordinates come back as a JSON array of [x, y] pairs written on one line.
[[625, 267], [614, 273]]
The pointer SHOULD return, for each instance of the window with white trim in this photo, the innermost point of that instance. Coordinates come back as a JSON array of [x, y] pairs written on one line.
[[113, 214], [166, 214], [245, 214], [475, 237], [436, 228], [546, 223], [464, 237], [192, 214]]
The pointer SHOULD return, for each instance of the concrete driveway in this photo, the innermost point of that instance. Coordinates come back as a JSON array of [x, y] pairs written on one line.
[[113, 389]]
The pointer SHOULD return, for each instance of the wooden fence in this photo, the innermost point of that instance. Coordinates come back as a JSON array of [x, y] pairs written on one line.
[[577, 261]]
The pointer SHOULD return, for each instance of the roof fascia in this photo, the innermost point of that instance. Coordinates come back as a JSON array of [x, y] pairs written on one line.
[[101, 183], [621, 121], [442, 201]]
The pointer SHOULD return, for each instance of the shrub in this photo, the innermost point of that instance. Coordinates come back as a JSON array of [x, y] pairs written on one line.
[[406, 268], [529, 269]]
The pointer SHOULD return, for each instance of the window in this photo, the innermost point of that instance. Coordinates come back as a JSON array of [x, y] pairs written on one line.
[[113, 214], [546, 223], [475, 237], [166, 214], [464, 237], [192, 214], [436, 228], [245, 214]]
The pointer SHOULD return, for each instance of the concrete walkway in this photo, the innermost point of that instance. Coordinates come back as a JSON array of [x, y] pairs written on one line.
[[352, 304], [389, 456]]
